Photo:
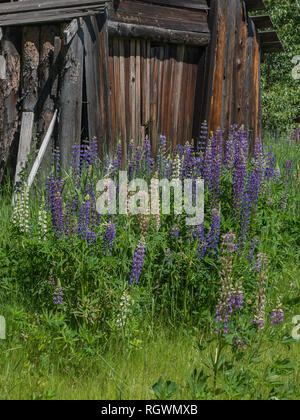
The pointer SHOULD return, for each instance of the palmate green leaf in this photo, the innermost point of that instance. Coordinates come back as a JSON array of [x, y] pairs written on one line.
[[164, 391]]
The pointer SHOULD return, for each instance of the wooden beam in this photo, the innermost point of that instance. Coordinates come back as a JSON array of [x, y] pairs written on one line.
[[183, 4], [255, 5], [91, 30], [42, 16], [70, 31], [269, 47], [39, 5], [157, 34], [106, 134], [42, 151], [270, 42], [70, 98], [159, 16], [262, 21], [24, 143]]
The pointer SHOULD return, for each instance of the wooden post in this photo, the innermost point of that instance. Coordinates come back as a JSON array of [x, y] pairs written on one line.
[[91, 30], [70, 102], [42, 151], [24, 143]]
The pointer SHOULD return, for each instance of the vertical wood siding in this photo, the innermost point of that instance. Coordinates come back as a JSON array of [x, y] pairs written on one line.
[[152, 90]]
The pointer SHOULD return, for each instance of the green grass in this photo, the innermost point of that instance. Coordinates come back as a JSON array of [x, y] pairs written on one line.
[[41, 360], [174, 358]]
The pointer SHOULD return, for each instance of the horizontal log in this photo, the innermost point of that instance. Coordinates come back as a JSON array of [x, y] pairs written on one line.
[[34, 5], [43, 16], [160, 12], [160, 19], [185, 4], [157, 34]]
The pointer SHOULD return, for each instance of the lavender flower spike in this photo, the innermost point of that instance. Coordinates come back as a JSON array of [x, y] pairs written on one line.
[[138, 262]]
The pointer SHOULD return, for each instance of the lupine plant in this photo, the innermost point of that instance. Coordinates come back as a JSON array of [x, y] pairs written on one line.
[[160, 250]]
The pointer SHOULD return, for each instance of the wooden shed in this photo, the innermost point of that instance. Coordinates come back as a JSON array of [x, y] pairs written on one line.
[[123, 69]]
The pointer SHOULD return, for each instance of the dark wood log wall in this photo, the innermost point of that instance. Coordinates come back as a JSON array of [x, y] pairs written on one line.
[[9, 97], [143, 67], [44, 72]]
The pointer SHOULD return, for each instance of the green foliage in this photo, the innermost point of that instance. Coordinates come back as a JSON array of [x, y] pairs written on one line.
[[80, 350], [281, 92], [164, 391]]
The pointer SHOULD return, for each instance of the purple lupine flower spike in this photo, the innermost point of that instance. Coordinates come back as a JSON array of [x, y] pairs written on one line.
[[109, 238], [138, 262]]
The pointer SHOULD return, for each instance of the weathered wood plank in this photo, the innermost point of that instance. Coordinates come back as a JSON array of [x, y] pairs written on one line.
[[132, 88], [255, 4], [177, 92], [186, 4], [122, 93], [2, 68], [173, 63], [70, 31], [165, 92], [91, 29], [106, 133], [161, 35], [127, 88], [270, 42], [33, 5], [138, 90], [217, 86], [112, 87], [148, 76], [24, 143], [162, 17], [57, 58], [262, 21], [160, 87], [118, 110], [42, 151], [70, 104], [50, 14], [229, 65]]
